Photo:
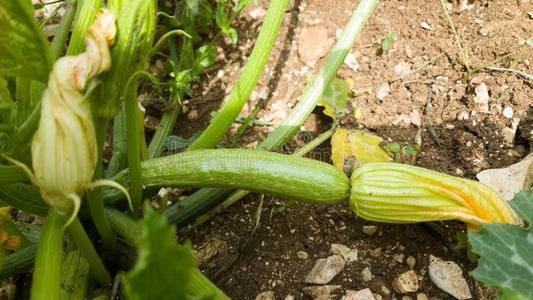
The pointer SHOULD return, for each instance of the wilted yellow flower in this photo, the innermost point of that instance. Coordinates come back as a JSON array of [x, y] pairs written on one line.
[[352, 148], [64, 149], [398, 193]]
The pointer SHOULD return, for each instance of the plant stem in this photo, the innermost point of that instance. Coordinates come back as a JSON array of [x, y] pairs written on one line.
[[24, 197], [168, 120], [11, 174], [134, 150], [315, 88], [60, 38], [85, 245], [94, 197], [47, 273], [118, 159], [248, 79], [18, 262]]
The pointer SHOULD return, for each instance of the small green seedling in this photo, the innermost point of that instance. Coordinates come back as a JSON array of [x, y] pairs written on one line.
[[387, 41]]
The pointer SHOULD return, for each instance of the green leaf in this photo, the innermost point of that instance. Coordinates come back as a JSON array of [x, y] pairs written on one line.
[[393, 147], [505, 251], [388, 40], [174, 142], [164, 270], [205, 57], [335, 98], [24, 50], [221, 18], [162, 266], [233, 36]]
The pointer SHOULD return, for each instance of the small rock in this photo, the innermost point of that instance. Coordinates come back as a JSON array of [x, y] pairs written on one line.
[[425, 26], [258, 13], [385, 290], [321, 291], [406, 283], [508, 135], [415, 118], [511, 180], [448, 276], [421, 296], [370, 229], [268, 295], [383, 91], [313, 44], [402, 69], [351, 62], [302, 255], [289, 297], [364, 294], [411, 262], [508, 112], [376, 252], [366, 274], [348, 254], [398, 257], [482, 97], [325, 269]]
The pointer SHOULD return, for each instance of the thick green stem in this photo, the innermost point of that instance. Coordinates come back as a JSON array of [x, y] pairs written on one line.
[[222, 121], [18, 262], [85, 245], [11, 174], [60, 38], [334, 60], [94, 197], [47, 273], [118, 160], [134, 149], [261, 171], [24, 197], [163, 131]]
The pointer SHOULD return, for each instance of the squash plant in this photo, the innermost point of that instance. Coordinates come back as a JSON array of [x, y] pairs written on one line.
[[55, 111]]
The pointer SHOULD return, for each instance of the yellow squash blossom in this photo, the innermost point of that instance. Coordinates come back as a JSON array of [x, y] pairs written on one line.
[[398, 193]]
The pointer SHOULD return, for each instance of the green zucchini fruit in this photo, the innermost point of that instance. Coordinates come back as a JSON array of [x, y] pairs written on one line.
[[284, 175]]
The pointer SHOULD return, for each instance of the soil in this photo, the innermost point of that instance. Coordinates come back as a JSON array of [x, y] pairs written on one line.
[[467, 139]]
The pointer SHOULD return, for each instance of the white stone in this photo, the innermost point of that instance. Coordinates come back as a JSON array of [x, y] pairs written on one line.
[[257, 13], [366, 274], [425, 25], [511, 180], [348, 254], [364, 294], [448, 276], [411, 262], [406, 283], [321, 291], [508, 112], [302, 255], [415, 117], [268, 295], [402, 68], [351, 61], [325, 269], [482, 97], [370, 229], [383, 91]]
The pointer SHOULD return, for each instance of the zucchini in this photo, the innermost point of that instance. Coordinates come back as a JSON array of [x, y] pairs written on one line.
[[278, 174]]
